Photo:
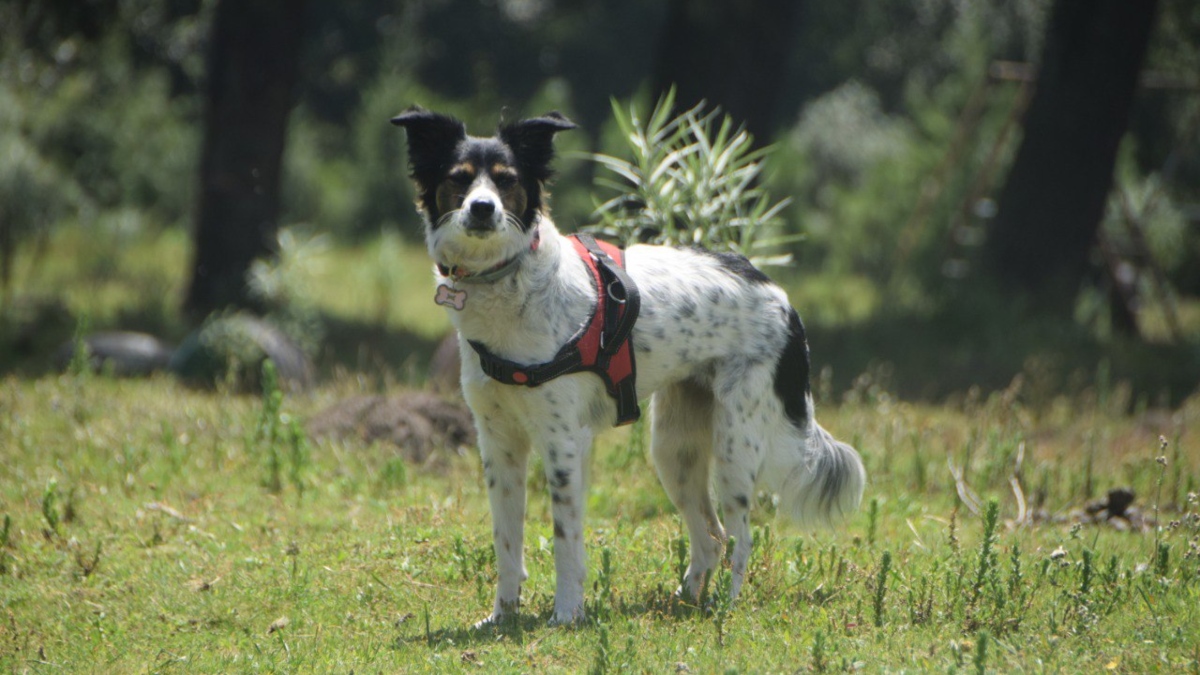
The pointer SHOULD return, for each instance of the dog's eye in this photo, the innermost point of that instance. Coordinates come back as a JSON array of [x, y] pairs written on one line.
[[461, 177], [504, 180]]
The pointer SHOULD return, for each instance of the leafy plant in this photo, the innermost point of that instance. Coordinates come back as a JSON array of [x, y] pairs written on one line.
[[694, 179]]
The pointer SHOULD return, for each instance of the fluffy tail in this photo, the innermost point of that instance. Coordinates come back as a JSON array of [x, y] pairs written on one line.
[[820, 483]]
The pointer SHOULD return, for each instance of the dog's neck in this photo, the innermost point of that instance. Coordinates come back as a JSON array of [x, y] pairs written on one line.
[[529, 314]]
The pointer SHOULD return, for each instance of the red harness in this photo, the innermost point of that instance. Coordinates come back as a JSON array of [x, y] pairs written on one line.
[[604, 346]]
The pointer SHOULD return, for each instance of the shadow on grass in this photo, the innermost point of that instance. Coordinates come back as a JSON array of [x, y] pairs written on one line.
[[33, 331], [368, 347], [663, 605], [948, 353]]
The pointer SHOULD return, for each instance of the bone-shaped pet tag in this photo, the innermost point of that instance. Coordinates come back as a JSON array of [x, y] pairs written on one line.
[[449, 297]]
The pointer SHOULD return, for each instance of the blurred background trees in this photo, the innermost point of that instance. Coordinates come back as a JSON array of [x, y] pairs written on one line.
[[253, 63], [912, 135]]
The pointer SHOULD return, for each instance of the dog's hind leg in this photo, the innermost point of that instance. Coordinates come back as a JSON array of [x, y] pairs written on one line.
[[504, 465], [681, 446], [745, 407]]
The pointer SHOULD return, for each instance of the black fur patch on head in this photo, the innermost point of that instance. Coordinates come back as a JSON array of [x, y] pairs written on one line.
[[532, 144], [433, 140], [792, 372], [437, 143], [736, 264]]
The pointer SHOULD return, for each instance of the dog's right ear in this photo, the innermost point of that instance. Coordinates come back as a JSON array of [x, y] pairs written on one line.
[[432, 138]]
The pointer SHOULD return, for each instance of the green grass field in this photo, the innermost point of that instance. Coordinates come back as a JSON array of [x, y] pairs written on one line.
[[149, 527]]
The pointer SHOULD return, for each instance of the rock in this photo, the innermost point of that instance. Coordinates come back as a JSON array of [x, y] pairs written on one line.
[[123, 353], [1114, 505], [233, 348]]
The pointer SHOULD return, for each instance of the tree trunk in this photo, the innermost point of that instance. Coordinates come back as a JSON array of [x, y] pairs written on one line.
[[252, 72], [732, 54], [1055, 195]]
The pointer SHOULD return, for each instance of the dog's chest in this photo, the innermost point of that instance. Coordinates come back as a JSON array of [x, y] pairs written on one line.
[[528, 318]]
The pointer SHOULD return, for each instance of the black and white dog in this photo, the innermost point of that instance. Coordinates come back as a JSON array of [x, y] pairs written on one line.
[[718, 348]]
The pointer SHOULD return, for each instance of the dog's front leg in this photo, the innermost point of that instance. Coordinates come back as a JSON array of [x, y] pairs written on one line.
[[564, 455], [504, 466]]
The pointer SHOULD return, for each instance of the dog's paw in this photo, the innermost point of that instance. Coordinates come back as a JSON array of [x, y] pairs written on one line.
[[569, 617], [494, 619]]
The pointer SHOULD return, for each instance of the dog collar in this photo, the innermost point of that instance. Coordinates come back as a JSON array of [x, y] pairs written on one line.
[[491, 274]]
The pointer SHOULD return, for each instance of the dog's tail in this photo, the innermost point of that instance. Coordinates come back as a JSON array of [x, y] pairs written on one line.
[[819, 480]]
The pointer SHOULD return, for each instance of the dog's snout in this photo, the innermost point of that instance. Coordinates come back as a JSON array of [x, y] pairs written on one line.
[[482, 209]]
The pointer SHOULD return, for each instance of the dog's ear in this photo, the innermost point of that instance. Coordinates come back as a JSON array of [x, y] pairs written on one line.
[[432, 138], [532, 142]]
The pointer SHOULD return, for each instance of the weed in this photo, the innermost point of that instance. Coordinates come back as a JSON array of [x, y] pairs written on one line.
[[722, 601], [981, 645], [267, 431], [603, 651], [881, 587], [1162, 559], [5, 533], [1085, 574], [952, 531], [818, 652], [986, 553], [680, 548], [1161, 460], [274, 430], [50, 507], [394, 474], [920, 603], [918, 465], [88, 565], [604, 585], [872, 520]]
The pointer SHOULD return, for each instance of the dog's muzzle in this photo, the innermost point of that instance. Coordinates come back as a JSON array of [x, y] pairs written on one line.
[[482, 216]]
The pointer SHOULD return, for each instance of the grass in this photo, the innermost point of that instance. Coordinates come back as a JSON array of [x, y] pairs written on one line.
[[150, 527], [145, 526]]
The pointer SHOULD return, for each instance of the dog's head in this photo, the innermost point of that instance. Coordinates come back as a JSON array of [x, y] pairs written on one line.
[[481, 197]]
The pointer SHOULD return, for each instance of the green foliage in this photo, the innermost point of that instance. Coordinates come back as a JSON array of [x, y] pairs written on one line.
[[694, 180], [284, 284]]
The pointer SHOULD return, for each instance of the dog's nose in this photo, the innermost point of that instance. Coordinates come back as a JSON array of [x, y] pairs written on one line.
[[482, 209]]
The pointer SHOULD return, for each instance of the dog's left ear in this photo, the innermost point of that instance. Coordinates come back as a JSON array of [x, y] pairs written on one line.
[[532, 142]]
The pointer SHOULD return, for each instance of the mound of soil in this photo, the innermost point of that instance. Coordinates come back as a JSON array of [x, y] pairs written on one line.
[[419, 423]]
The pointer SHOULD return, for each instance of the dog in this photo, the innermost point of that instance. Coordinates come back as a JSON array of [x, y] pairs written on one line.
[[719, 352]]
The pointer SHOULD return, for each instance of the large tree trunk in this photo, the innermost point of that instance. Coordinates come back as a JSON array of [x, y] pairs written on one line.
[[252, 71], [1055, 195], [733, 54]]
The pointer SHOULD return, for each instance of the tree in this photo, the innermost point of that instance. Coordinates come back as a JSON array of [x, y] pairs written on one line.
[[252, 73], [1054, 198], [733, 54]]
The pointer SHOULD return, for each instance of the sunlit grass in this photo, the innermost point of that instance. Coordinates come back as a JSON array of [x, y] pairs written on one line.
[[177, 550]]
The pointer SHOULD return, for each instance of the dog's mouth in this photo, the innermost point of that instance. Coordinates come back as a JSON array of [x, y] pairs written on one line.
[[480, 229], [488, 273]]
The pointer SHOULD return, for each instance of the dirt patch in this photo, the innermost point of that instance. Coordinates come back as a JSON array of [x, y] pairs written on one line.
[[419, 423]]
